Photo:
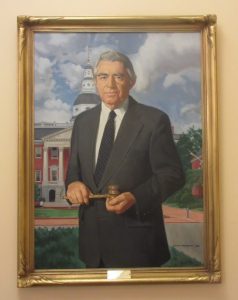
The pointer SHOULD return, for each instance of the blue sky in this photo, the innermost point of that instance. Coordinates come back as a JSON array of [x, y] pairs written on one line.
[[168, 68]]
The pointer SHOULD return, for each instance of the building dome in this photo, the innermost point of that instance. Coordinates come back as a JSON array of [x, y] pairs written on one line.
[[84, 102], [87, 99]]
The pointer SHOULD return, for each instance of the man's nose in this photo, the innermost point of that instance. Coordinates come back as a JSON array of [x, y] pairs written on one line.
[[111, 83]]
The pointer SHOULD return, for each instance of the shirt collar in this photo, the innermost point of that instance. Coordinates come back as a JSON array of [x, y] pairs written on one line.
[[120, 111]]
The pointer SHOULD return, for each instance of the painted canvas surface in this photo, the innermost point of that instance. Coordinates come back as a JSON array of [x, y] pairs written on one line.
[[168, 69]]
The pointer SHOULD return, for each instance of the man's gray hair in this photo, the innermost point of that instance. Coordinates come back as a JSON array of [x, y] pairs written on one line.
[[117, 56]]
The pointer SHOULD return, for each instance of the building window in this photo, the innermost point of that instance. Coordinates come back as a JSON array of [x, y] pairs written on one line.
[[37, 176], [54, 152], [38, 152], [54, 174]]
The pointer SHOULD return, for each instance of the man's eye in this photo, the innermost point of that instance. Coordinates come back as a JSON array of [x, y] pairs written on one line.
[[102, 77], [119, 77]]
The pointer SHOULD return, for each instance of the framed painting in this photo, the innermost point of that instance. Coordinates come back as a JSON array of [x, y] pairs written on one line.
[[160, 221]]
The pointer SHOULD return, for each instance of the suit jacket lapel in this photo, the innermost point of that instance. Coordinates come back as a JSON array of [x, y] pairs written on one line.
[[129, 129], [90, 142]]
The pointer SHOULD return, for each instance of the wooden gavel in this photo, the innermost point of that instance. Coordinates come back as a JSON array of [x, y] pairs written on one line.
[[113, 191]]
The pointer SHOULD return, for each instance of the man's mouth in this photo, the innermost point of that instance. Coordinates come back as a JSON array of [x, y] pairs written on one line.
[[111, 94]]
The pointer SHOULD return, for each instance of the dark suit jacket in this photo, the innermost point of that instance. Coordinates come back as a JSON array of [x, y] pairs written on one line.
[[144, 161]]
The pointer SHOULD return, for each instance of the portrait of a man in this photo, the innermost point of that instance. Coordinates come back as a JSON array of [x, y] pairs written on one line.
[[131, 145], [113, 113]]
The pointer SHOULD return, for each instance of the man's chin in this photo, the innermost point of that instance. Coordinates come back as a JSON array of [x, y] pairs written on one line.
[[110, 101]]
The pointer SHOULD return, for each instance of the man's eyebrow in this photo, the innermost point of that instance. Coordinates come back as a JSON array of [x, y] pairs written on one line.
[[107, 74], [102, 74], [118, 74]]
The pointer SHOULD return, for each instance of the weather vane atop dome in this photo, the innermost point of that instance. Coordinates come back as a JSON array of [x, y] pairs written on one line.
[[89, 54]]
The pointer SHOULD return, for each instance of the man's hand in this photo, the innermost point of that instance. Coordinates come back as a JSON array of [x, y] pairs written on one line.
[[78, 193], [120, 203]]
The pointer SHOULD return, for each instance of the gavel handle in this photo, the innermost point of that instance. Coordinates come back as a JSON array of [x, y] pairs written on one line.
[[100, 196], [94, 197]]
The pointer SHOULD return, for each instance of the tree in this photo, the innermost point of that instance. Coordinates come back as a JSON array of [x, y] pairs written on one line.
[[37, 192], [188, 143], [184, 198]]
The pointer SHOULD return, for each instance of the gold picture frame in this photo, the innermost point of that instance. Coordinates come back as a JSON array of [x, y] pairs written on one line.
[[28, 28]]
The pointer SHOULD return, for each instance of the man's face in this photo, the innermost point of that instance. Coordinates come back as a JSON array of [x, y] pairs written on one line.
[[113, 83]]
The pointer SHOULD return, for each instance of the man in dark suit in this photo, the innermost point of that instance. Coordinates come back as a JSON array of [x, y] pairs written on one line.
[[139, 155]]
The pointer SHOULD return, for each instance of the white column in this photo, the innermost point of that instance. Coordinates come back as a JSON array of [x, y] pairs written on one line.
[[45, 166], [61, 165]]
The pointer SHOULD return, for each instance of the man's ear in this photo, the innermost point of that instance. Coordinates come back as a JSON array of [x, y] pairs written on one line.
[[132, 83]]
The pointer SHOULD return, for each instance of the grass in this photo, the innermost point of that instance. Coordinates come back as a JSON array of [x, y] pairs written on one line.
[[176, 205], [179, 259], [56, 213], [73, 213], [191, 203]]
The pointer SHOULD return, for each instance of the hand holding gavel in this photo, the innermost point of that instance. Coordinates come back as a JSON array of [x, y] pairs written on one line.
[[115, 202], [113, 191]]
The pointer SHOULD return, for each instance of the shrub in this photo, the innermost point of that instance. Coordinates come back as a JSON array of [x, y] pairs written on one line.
[[57, 248]]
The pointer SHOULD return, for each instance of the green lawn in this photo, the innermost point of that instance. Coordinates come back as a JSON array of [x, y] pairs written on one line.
[[56, 213], [191, 207]]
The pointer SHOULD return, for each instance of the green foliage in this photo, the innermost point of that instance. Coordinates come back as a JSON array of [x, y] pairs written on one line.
[[37, 192], [184, 198], [57, 248], [179, 259], [190, 142], [56, 213]]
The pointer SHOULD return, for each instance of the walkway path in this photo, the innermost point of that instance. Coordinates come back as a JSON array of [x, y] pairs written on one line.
[[181, 215], [171, 215]]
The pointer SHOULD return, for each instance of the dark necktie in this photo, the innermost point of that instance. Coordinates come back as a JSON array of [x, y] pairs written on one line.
[[105, 147]]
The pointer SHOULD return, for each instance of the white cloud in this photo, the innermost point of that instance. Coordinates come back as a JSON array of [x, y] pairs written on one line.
[[44, 90], [54, 110], [181, 78], [41, 47], [48, 107], [43, 65], [61, 39], [190, 109], [55, 43], [164, 54], [191, 116], [174, 79], [73, 75], [183, 127], [44, 79], [56, 104]]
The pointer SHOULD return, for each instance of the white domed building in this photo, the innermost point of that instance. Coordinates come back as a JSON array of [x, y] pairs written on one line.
[[87, 98]]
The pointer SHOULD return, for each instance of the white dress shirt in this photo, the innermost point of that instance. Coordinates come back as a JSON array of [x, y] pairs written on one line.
[[120, 112]]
